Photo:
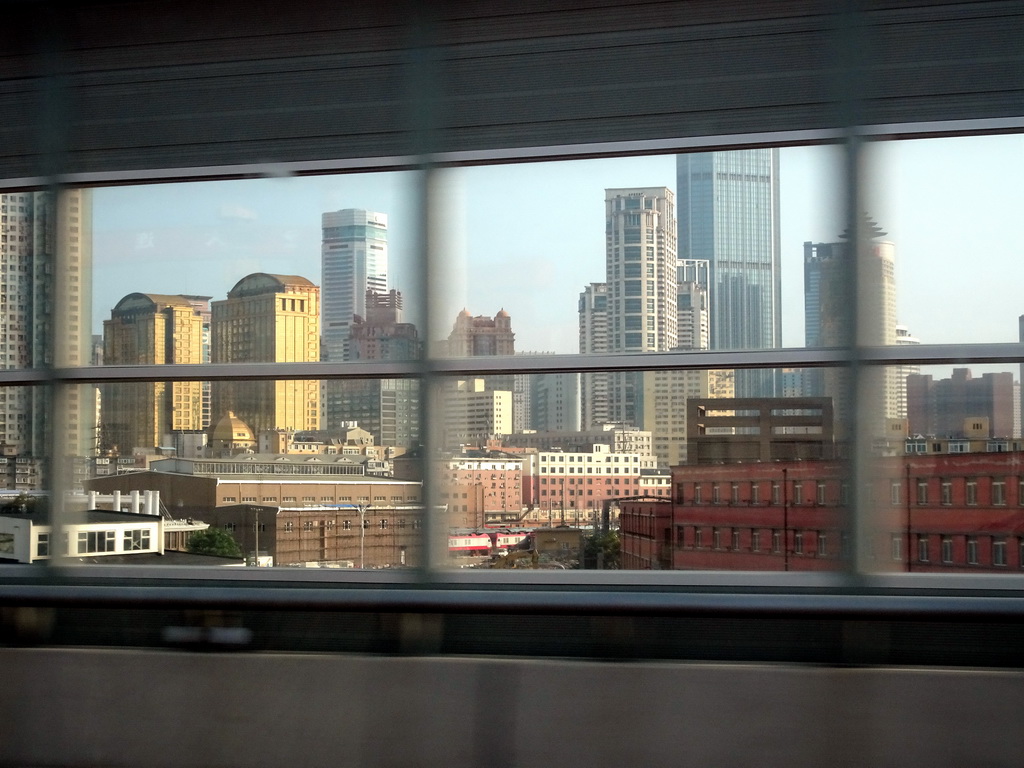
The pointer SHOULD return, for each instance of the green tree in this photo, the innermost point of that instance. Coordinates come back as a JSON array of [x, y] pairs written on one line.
[[213, 541], [601, 550]]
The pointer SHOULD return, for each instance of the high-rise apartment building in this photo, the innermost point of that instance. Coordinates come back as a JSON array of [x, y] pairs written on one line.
[[387, 408], [153, 329], [268, 319], [595, 403], [827, 278], [354, 260], [641, 272], [729, 216], [946, 408], [694, 314], [45, 282]]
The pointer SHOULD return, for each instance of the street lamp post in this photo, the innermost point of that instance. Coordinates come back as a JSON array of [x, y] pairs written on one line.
[[363, 508]]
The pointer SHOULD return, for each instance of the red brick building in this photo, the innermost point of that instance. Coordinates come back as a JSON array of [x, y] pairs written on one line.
[[962, 512]]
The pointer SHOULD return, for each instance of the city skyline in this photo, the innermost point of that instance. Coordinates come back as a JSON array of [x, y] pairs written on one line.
[[536, 272]]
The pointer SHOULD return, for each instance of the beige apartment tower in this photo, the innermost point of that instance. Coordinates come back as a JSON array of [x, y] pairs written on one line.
[[268, 319], [151, 329]]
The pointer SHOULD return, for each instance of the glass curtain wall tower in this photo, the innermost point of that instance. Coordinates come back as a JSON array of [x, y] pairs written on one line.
[[354, 260], [729, 214]]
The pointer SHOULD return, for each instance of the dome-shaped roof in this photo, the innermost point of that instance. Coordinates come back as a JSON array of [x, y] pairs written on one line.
[[230, 429], [502, 313], [464, 313]]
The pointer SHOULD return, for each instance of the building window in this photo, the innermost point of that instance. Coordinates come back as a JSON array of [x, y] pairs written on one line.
[[922, 491], [946, 493], [971, 495], [289, 527], [897, 548], [43, 545], [819, 493], [735, 540], [999, 551], [776, 493], [972, 550], [798, 493], [755, 541], [307, 525], [894, 492], [136, 539], [383, 524], [716, 497], [822, 545], [947, 549], [922, 549], [776, 541], [798, 543], [716, 538], [735, 493], [844, 494], [346, 525], [698, 538], [96, 541], [998, 492], [755, 493], [697, 493]]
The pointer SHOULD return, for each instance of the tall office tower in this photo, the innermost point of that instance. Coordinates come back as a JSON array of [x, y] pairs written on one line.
[[354, 260], [694, 314], [729, 215], [815, 254], [152, 329], [641, 274], [827, 272], [387, 408], [903, 338], [45, 286], [483, 336], [595, 403], [555, 402], [268, 319]]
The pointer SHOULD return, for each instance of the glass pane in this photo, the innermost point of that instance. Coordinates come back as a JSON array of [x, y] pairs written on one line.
[[639, 254], [940, 209], [250, 488], [946, 486], [265, 270], [732, 472]]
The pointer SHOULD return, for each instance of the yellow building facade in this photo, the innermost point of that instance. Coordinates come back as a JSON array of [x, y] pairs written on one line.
[[151, 329], [268, 319]]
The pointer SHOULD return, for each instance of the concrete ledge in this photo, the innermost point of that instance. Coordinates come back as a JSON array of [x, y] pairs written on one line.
[[62, 707]]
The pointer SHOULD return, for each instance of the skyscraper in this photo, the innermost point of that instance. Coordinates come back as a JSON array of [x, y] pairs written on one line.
[[152, 329], [827, 274], [595, 406], [354, 260], [387, 408], [268, 319], [729, 215], [43, 235], [483, 336], [641, 275]]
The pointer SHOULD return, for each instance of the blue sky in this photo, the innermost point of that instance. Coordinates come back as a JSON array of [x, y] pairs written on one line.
[[528, 237]]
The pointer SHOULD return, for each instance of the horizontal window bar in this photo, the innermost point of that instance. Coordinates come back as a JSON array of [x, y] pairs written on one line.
[[796, 357]]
